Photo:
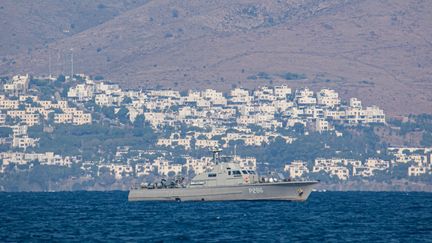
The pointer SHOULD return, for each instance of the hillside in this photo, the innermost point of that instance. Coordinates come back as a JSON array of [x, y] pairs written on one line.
[[29, 25], [379, 50]]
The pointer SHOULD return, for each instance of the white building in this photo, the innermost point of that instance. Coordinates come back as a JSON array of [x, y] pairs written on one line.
[[296, 169], [416, 170], [328, 97], [24, 142], [322, 125], [281, 92], [18, 85], [81, 92], [118, 170]]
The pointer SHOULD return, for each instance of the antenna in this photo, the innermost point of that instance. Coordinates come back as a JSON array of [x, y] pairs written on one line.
[[60, 60], [216, 156], [49, 62], [72, 64], [63, 55]]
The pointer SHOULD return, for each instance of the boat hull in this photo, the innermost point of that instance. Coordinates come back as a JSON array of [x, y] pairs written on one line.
[[289, 191]]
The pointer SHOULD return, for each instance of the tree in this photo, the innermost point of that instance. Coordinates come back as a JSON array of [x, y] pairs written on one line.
[[299, 128], [98, 77], [193, 143], [127, 100], [174, 13], [21, 107], [256, 129], [406, 152], [108, 112], [175, 108], [292, 76], [426, 139], [123, 115], [139, 121], [202, 137], [5, 132], [28, 100], [61, 78]]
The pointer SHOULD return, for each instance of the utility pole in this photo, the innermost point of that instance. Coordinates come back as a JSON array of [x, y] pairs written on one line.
[[61, 58]]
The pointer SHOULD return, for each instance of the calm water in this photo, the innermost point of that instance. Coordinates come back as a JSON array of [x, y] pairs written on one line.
[[107, 216]]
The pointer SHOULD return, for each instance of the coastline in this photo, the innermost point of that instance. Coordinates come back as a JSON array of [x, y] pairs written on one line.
[[360, 186], [393, 186]]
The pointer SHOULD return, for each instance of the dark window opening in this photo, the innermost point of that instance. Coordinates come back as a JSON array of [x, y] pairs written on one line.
[[236, 173]]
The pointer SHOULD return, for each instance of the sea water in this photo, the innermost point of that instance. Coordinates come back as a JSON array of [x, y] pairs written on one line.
[[108, 216]]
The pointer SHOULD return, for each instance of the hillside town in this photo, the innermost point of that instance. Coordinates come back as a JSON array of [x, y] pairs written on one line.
[[342, 169], [188, 121]]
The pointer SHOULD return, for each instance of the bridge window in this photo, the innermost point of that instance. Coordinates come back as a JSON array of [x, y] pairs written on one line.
[[212, 175], [236, 173]]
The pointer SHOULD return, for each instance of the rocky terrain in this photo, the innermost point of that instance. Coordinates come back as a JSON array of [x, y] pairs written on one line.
[[377, 49]]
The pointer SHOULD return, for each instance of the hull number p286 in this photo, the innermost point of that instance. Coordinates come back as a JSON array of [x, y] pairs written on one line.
[[255, 190]]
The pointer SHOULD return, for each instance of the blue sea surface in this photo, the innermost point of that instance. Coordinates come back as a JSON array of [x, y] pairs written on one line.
[[108, 216]]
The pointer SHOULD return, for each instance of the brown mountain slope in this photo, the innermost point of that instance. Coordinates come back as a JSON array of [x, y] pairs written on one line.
[[380, 51], [28, 25]]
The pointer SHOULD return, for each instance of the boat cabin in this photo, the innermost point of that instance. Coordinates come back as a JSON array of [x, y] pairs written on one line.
[[225, 174]]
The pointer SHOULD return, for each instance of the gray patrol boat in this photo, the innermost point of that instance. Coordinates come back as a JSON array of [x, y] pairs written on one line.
[[225, 182]]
